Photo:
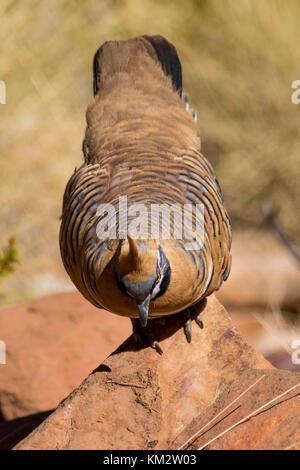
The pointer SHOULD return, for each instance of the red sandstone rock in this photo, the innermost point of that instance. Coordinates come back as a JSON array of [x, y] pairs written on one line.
[[275, 426], [11, 432], [52, 344], [137, 399], [270, 334], [263, 273]]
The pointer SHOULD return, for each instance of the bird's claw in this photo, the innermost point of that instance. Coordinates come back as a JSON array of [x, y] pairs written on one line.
[[141, 334], [191, 314]]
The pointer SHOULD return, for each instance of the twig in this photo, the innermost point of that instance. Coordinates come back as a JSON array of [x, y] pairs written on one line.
[[270, 215], [255, 412], [292, 445], [192, 439], [124, 384]]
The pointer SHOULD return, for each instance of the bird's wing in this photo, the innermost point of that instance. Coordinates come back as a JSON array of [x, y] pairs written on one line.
[[79, 241], [201, 190]]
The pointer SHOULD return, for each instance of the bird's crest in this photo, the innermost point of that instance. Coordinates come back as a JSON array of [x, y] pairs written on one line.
[[137, 260]]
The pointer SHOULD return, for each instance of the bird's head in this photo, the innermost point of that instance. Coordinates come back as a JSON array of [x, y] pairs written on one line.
[[142, 272]]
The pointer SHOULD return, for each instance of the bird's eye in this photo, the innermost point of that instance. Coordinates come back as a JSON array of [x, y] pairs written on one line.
[[158, 278]]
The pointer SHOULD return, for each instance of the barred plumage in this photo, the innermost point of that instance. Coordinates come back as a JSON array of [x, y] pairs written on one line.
[[142, 143]]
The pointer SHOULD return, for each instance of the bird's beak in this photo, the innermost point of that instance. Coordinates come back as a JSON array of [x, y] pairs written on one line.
[[143, 308]]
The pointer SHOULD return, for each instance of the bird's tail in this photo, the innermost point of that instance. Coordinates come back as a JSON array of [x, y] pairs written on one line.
[[114, 55], [167, 56]]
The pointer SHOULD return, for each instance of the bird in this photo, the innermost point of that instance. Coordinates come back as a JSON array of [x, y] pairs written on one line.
[[142, 158]]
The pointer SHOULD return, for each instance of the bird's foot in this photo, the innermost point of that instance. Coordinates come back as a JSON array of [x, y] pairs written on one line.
[[190, 314], [141, 333]]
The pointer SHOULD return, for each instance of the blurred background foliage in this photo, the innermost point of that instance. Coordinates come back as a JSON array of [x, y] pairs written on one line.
[[239, 59], [9, 257]]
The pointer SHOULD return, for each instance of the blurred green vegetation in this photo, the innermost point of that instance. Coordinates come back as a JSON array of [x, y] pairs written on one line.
[[239, 59], [9, 257]]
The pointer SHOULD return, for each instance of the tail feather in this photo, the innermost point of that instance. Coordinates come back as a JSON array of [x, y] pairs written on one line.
[[96, 71], [157, 46], [168, 58]]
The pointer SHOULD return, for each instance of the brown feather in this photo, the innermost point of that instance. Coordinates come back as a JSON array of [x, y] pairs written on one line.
[[141, 142]]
